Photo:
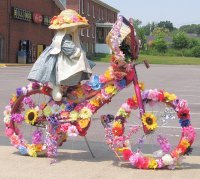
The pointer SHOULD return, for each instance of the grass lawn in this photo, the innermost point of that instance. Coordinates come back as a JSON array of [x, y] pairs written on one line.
[[156, 59]]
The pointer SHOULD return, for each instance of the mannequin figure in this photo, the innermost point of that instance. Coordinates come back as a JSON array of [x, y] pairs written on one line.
[[64, 62]]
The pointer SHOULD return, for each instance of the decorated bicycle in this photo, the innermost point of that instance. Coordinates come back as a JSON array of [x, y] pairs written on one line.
[[151, 130]]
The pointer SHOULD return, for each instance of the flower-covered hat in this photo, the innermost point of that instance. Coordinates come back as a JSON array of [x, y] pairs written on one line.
[[68, 18]]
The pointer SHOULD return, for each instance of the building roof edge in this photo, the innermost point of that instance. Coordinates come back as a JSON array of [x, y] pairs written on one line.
[[59, 4], [106, 5]]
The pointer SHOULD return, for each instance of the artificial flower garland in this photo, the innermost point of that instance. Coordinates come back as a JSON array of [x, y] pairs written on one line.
[[118, 141]]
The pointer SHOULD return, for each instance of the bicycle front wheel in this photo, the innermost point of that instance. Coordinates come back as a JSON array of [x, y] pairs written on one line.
[[169, 137]]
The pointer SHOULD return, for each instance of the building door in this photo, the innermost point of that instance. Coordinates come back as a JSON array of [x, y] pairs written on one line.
[[1, 49]]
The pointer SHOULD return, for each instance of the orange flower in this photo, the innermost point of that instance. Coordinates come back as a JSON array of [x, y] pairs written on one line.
[[83, 123], [64, 115], [117, 131]]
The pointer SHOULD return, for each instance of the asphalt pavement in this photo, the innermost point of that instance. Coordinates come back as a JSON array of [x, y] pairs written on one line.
[[74, 159]]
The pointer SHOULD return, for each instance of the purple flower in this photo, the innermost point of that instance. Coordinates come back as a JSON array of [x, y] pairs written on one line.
[[69, 106], [17, 118], [37, 137], [184, 123], [19, 91], [121, 84], [28, 101], [145, 94], [35, 85]]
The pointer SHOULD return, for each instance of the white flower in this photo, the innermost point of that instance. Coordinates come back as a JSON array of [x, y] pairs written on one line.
[[55, 109], [24, 90], [158, 153], [6, 119], [167, 159]]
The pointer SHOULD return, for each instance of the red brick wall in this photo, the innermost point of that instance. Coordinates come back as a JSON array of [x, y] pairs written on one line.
[[21, 30], [3, 26], [73, 4]]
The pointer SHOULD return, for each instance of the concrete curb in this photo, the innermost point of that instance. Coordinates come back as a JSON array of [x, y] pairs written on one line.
[[13, 64]]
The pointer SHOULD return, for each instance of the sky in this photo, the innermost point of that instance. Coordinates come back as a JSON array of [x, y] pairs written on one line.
[[179, 12]]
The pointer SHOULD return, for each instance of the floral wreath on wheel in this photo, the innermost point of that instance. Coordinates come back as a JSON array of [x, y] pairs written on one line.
[[119, 142]]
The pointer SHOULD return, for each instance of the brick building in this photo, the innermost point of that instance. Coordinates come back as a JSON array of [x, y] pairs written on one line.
[[24, 24], [101, 17]]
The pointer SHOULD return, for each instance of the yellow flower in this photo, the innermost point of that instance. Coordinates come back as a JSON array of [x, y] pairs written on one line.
[[153, 164], [79, 93], [185, 143], [55, 22], [62, 107], [85, 113], [32, 151], [111, 89], [73, 115], [141, 85], [108, 75], [84, 123], [169, 96], [149, 120], [117, 124], [31, 116], [14, 98], [95, 102], [122, 113], [47, 111]]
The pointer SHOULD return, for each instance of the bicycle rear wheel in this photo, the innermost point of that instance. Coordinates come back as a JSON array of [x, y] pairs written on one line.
[[25, 119], [170, 133]]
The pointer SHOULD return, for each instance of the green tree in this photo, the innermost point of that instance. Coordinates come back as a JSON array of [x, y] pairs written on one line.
[[160, 32], [142, 37], [196, 51], [166, 24], [160, 44], [180, 40]]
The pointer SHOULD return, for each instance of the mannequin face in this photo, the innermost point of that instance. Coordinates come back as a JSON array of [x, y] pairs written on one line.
[[71, 29]]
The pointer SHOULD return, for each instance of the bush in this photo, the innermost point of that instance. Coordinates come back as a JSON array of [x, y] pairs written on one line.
[[160, 45], [196, 51]]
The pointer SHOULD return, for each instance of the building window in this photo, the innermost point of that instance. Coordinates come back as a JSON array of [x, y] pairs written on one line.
[[93, 11], [102, 14], [82, 6], [88, 32], [99, 13], [88, 9], [93, 31], [82, 32], [79, 6]]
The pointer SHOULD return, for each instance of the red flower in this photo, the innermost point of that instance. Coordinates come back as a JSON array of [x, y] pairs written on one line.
[[53, 18], [184, 113], [46, 90], [142, 163], [161, 96], [132, 103], [117, 131], [126, 154]]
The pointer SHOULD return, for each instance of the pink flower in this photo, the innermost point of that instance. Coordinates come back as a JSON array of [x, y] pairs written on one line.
[[72, 131], [153, 95], [189, 133], [182, 104], [75, 19], [64, 127], [126, 107], [15, 140], [102, 79], [9, 132], [92, 107]]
